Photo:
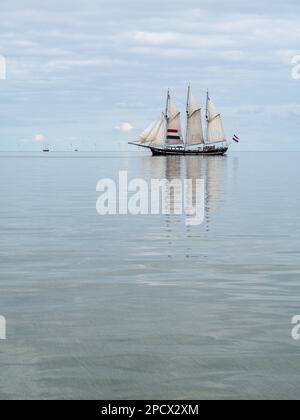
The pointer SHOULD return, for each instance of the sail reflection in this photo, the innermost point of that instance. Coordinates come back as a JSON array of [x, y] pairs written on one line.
[[215, 168], [212, 170], [173, 171]]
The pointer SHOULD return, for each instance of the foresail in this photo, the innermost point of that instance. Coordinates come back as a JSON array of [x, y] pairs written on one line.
[[215, 129], [158, 135], [146, 134], [194, 131]]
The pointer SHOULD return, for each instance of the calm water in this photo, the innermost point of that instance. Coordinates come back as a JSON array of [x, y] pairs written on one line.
[[145, 307]]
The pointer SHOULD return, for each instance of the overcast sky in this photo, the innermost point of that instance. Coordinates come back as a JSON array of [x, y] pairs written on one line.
[[78, 70]]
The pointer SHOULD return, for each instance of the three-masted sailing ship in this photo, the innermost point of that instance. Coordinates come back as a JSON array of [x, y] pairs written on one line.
[[165, 137]]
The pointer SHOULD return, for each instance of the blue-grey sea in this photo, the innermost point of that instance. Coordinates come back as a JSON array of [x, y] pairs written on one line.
[[146, 307]]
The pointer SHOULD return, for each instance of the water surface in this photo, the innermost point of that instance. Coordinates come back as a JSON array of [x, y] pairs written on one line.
[[144, 307]]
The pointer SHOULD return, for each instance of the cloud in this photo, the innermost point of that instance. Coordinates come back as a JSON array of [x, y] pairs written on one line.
[[181, 39], [40, 138], [125, 127]]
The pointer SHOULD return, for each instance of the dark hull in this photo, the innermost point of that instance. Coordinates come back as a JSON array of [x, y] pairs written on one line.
[[174, 152]]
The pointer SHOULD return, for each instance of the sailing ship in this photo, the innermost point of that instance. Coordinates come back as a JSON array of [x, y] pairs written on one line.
[[165, 137], [46, 148]]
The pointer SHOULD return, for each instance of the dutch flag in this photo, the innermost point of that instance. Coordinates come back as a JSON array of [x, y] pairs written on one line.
[[173, 136], [236, 138]]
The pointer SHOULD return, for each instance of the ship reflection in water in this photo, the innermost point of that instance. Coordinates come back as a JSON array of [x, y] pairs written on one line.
[[212, 170]]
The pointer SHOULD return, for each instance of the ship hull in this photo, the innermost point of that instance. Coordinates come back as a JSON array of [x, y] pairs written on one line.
[[169, 152]]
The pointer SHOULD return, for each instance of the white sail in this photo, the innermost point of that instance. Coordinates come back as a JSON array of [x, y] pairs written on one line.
[[158, 134], [194, 130], [215, 129], [152, 133], [174, 132], [144, 137]]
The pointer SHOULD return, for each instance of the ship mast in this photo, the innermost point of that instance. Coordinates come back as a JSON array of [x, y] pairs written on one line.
[[167, 105], [207, 116], [167, 115], [187, 115]]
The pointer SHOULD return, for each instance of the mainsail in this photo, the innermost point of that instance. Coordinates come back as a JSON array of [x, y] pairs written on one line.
[[174, 132], [215, 129], [194, 131]]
